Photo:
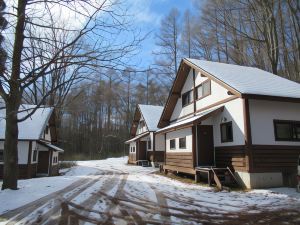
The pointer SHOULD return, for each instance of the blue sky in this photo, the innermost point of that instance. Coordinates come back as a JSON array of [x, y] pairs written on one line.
[[147, 16]]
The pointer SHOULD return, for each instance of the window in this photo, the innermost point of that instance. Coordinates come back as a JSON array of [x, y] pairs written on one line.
[[34, 156], [142, 124], [182, 142], [172, 144], [47, 130], [287, 130], [133, 149], [226, 132], [149, 144], [1, 155], [186, 98], [203, 90]]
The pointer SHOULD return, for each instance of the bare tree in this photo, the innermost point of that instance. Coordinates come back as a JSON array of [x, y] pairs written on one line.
[[46, 57], [168, 43]]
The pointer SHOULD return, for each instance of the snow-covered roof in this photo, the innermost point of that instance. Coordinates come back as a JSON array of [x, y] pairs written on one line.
[[49, 145], [33, 127], [190, 120], [137, 137], [151, 115], [249, 80]]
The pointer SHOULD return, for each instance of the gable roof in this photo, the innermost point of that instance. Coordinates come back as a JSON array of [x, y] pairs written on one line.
[[33, 127], [249, 80], [151, 115], [242, 81]]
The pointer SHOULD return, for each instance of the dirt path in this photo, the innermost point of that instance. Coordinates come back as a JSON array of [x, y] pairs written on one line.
[[121, 197]]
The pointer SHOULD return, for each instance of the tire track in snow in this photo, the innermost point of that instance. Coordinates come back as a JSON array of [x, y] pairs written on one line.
[[25, 214]]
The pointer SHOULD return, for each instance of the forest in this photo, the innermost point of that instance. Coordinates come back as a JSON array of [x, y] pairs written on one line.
[[87, 74], [263, 34]]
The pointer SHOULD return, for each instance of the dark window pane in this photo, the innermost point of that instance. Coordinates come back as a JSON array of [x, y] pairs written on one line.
[[283, 131], [182, 142], [149, 144], [34, 156], [226, 132], [186, 98], [297, 131], [172, 144], [199, 91], [206, 88], [1, 155]]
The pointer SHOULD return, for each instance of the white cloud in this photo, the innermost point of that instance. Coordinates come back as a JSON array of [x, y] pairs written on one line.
[[142, 12]]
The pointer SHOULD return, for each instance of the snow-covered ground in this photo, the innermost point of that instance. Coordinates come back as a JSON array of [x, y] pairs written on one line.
[[111, 191]]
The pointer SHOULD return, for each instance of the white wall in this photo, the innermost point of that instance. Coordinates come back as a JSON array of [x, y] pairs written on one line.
[[187, 132], [47, 136], [233, 111], [218, 93], [34, 148], [262, 114], [132, 144], [23, 147], [178, 110], [148, 138], [54, 154], [140, 129], [160, 142]]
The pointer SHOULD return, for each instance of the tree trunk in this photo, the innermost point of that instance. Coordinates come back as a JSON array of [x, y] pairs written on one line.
[[10, 173]]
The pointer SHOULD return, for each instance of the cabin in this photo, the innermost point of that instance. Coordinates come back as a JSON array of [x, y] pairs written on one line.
[[37, 154], [145, 145], [220, 115]]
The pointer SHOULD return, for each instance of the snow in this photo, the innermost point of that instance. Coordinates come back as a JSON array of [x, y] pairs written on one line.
[[47, 144], [32, 127], [137, 137], [112, 186], [249, 80], [151, 114]]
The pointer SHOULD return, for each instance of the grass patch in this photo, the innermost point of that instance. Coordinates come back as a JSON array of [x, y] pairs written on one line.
[[67, 164], [189, 179], [184, 178]]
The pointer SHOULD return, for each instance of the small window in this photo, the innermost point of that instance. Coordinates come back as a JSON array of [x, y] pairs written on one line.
[[226, 132], [172, 144], [1, 155], [142, 124], [34, 156], [133, 149], [182, 142], [47, 130], [186, 98], [203, 90], [149, 144], [287, 130]]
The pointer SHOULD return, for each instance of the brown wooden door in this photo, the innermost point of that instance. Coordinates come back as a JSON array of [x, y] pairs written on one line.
[[205, 145], [142, 155], [43, 162]]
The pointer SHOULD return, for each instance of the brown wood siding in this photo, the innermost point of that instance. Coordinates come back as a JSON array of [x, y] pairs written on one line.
[[159, 156], [274, 158], [180, 161], [25, 171], [232, 156], [150, 156], [54, 170], [132, 158]]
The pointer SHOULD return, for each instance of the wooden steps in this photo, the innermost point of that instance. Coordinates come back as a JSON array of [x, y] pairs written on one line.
[[222, 177], [144, 163]]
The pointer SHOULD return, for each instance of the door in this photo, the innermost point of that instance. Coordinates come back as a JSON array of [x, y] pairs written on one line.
[[142, 150], [43, 162], [205, 145]]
